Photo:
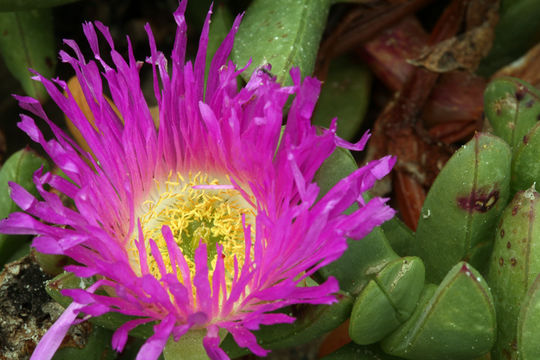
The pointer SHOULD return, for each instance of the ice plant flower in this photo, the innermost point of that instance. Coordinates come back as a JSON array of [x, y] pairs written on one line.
[[209, 221]]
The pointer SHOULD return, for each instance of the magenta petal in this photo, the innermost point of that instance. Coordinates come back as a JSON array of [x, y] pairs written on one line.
[[20, 223], [384, 166], [80, 296], [153, 347], [120, 336], [359, 146], [211, 344], [373, 214], [179, 331], [47, 245], [50, 342], [81, 271], [245, 338], [21, 197], [200, 279], [96, 309]]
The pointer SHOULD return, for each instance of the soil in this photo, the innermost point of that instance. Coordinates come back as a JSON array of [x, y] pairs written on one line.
[[27, 311]]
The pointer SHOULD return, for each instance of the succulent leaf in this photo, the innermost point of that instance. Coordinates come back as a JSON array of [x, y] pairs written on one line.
[[515, 263], [462, 207], [27, 41], [387, 301], [512, 107], [345, 95], [529, 324], [453, 321], [518, 29], [525, 164], [18, 168], [358, 352], [284, 33]]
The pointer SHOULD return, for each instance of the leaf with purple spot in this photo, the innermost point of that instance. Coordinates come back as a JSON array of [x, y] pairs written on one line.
[[460, 212]]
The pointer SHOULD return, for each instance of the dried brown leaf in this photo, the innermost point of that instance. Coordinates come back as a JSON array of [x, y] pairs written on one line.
[[464, 51]]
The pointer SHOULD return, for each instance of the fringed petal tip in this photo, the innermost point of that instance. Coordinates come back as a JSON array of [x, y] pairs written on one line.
[[179, 12], [120, 336], [384, 166], [211, 344], [153, 347], [246, 339], [369, 216], [358, 146], [21, 99]]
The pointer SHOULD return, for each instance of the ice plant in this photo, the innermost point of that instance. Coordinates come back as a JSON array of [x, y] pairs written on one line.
[[210, 221]]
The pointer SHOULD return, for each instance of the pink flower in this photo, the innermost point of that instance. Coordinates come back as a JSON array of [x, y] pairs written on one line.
[[210, 221]]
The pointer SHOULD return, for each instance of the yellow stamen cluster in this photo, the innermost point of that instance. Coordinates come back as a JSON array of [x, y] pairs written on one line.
[[192, 214]]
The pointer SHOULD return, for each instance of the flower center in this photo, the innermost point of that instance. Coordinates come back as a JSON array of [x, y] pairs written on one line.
[[197, 208]]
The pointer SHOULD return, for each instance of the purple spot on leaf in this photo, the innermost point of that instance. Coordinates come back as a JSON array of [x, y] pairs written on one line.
[[478, 201]]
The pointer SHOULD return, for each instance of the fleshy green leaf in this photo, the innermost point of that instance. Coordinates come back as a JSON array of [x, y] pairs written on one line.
[[528, 345], [515, 263], [27, 41], [387, 301], [283, 33], [12, 247], [18, 168], [352, 351], [51, 264], [512, 107], [345, 95], [525, 164], [452, 322], [360, 262], [399, 235], [189, 346], [337, 166], [21, 250], [461, 210], [518, 29]]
